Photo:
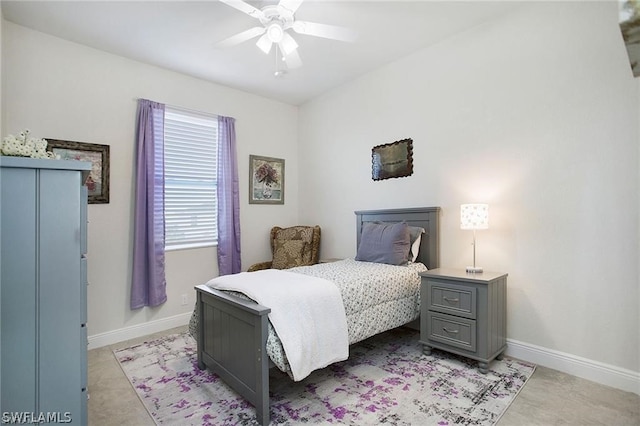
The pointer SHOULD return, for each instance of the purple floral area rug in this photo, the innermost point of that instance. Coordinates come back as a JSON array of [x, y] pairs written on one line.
[[386, 380]]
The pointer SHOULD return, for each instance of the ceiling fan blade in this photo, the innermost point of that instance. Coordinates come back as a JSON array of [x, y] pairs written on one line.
[[323, 30], [244, 7], [291, 5], [293, 60], [242, 37]]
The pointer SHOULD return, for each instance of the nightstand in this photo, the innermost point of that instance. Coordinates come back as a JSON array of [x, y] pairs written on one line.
[[464, 313]]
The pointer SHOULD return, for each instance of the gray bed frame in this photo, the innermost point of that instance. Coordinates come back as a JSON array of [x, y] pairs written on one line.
[[232, 332]]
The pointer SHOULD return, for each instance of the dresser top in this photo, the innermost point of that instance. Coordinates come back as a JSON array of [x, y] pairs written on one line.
[[43, 163], [462, 275]]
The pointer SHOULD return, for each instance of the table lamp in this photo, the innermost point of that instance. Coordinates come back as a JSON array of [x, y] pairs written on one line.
[[474, 216]]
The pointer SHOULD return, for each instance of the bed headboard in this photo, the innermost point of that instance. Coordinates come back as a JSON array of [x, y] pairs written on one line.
[[425, 217]]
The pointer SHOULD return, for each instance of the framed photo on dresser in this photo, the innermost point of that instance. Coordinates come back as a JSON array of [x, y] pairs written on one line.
[[98, 180]]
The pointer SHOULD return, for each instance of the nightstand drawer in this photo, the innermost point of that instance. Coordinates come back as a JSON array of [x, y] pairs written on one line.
[[453, 331], [451, 298]]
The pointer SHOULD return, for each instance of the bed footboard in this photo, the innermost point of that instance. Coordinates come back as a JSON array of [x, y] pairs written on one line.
[[232, 337]]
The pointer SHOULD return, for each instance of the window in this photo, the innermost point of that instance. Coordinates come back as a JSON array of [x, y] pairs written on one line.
[[190, 172]]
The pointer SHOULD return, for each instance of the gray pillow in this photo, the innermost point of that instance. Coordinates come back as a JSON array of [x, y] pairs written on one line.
[[384, 243]]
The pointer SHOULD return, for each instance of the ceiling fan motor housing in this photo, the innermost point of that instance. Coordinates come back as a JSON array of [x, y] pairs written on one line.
[[279, 14]]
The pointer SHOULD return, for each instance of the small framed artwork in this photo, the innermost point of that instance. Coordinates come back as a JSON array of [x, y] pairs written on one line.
[[392, 160], [98, 180], [266, 180]]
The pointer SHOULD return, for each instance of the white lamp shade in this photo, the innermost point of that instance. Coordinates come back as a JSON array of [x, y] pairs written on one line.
[[474, 216]]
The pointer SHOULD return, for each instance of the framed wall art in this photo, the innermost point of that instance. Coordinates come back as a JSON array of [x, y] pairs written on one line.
[[98, 180], [629, 21], [392, 160], [266, 180]]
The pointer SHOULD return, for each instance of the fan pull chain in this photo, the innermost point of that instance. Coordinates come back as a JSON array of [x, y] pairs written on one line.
[[278, 72]]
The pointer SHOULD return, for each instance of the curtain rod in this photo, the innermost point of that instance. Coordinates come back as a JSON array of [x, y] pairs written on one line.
[[180, 108]]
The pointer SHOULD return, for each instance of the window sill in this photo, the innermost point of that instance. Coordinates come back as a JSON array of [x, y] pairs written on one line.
[[190, 246]]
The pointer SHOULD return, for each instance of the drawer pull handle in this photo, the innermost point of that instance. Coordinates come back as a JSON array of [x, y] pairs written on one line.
[[456, 300], [450, 331]]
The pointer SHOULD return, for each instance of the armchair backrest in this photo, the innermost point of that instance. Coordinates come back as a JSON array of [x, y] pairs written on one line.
[[310, 235]]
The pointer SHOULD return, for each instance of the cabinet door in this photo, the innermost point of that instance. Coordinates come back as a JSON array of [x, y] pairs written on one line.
[[60, 292], [18, 310]]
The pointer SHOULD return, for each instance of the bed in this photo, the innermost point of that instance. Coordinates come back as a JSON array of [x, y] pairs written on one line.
[[234, 332]]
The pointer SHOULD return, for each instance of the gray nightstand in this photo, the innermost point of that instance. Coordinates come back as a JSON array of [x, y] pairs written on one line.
[[464, 313]]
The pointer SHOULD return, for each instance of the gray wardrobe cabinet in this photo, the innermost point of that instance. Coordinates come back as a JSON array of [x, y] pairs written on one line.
[[43, 313]]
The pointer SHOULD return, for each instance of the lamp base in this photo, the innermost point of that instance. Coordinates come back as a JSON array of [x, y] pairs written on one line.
[[474, 269]]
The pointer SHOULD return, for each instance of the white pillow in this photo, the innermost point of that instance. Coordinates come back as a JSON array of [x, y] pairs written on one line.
[[415, 232]]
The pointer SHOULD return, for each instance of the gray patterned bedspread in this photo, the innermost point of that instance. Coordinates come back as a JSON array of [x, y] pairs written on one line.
[[377, 297]]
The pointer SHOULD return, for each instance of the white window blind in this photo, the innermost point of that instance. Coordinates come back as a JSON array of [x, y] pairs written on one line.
[[190, 172]]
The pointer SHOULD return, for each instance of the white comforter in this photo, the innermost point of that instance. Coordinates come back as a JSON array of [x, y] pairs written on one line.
[[307, 314]]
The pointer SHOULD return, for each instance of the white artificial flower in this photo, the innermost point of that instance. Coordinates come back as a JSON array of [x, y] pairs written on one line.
[[25, 146]]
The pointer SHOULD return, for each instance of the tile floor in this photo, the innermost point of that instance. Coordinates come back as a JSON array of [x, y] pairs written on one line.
[[549, 397]]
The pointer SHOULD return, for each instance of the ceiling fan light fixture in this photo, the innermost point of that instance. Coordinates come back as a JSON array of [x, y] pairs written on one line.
[[288, 44], [275, 32], [264, 43], [276, 20]]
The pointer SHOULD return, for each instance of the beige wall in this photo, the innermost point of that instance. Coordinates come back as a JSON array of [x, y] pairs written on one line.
[[1, 133], [64, 90], [1, 62], [535, 113]]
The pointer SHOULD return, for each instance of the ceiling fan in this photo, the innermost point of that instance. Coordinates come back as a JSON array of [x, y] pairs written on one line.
[[275, 21]]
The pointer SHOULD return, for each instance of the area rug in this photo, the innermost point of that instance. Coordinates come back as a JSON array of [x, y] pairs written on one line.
[[386, 380]]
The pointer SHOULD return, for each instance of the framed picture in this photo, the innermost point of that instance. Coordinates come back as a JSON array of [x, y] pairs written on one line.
[[266, 180], [392, 160], [98, 180], [629, 21]]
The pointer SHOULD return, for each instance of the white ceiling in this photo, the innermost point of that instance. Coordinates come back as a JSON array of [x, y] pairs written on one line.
[[181, 35]]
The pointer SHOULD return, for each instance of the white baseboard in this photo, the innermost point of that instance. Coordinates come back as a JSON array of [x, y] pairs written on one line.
[[595, 371], [150, 327]]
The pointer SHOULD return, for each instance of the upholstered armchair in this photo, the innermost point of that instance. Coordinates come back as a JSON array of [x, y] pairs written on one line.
[[293, 246]]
